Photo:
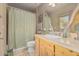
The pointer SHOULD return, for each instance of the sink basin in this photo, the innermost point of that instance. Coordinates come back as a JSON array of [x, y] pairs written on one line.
[[53, 37], [56, 38], [60, 39]]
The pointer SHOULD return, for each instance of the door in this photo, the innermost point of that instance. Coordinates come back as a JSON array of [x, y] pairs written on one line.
[[2, 28]]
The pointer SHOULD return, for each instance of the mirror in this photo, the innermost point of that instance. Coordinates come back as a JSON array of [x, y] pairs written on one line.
[[63, 22]]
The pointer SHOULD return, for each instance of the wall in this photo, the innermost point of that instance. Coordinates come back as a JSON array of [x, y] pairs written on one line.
[[22, 26]]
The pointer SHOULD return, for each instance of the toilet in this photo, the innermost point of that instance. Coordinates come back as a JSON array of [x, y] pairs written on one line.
[[30, 48]]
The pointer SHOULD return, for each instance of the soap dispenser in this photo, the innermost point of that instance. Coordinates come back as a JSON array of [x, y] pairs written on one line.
[[66, 33]]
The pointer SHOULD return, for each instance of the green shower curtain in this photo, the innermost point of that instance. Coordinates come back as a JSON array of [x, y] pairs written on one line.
[[22, 27]]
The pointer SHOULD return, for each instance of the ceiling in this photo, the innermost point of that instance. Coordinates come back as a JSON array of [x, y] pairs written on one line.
[[32, 6], [61, 7], [25, 6]]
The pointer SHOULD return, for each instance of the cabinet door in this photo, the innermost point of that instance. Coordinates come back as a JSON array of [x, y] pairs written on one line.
[[37, 43], [46, 48], [49, 51], [77, 54], [50, 48], [61, 51], [42, 47], [69, 52]]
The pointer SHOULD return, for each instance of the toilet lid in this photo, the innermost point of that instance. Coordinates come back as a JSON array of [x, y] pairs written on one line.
[[30, 43]]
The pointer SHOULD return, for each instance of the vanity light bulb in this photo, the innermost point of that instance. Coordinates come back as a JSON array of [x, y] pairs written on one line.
[[52, 4], [50, 29], [44, 28]]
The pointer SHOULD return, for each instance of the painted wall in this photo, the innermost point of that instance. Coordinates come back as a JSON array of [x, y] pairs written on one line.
[[22, 26]]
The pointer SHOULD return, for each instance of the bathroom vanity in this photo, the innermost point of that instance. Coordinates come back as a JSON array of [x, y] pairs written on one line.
[[60, 45], [53, 45]]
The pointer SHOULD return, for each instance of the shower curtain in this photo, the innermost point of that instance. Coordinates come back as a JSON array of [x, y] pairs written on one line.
[[21, 27]]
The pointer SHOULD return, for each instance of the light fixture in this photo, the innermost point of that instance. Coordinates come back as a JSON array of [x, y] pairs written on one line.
[[52, 4]]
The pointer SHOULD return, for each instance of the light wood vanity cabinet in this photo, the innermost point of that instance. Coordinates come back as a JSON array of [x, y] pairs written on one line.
[[44, 47]]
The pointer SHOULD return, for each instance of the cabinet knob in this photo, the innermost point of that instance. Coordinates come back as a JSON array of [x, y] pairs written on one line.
[[70, 50], [63, 53], [1, 38], [0, 33], [0, 16]]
